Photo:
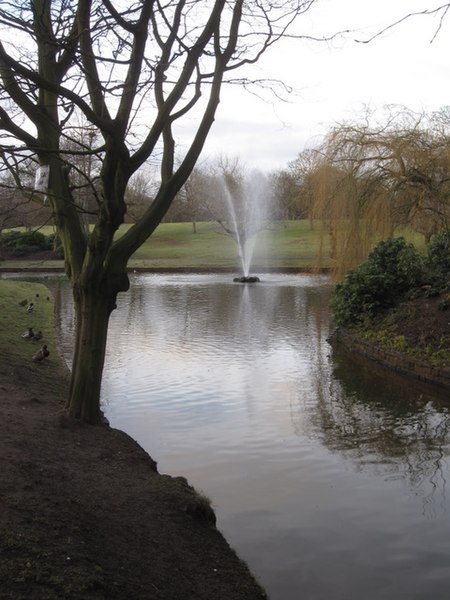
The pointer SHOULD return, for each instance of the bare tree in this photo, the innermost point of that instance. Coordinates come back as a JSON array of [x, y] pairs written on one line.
[[191, 203], [138, 196], [18, 209], [132, 72], [9, 205], [295, 185]]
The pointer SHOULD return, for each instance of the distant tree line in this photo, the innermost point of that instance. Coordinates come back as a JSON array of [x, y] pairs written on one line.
[[366, 178]]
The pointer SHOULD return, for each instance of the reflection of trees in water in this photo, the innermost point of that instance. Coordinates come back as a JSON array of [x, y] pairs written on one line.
[[385, 423], [316, 321], [132, 302], [242, 327], [64, 315], [379, 422], [130, 306], [428, 473], [222, 311]]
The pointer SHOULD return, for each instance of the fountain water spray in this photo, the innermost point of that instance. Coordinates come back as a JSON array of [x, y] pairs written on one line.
[[249, 212]]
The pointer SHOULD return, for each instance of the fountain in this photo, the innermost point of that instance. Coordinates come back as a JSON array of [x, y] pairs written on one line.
[[249, 211], [247, 279]]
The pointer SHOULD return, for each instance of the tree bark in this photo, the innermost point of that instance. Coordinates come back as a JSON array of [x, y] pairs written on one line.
[[93, 307]]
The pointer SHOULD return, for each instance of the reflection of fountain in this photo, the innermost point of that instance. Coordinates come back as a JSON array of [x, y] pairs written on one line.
[[249, 214]]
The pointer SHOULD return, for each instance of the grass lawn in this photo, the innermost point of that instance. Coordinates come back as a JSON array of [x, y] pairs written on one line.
[[16, 320], [291, 244], [285, 245]]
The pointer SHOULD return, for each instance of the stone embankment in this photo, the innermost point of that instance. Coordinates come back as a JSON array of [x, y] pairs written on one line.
[[394, 360]]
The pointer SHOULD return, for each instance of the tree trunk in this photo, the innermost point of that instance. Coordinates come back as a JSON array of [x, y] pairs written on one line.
[[93, 307]]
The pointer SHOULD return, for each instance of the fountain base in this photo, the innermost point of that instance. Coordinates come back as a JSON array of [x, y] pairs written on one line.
[[247, 279]]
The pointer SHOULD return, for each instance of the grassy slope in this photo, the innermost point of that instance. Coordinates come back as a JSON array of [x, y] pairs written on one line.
[[291, 244], [14, 350], [174, 245], [288, 244]]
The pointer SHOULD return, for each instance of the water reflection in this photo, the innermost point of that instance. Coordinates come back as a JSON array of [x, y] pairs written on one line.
[[211, 345], [328, 477], [384, 422]]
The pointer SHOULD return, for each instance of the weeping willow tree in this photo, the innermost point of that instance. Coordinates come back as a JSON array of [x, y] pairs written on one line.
[[354, 211], [368, 179]]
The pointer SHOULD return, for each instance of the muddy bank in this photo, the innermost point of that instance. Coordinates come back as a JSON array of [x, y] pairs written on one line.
[[86, 515]]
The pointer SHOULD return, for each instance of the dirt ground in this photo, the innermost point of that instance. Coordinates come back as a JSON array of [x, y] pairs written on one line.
[[85, 515], [424, 323]]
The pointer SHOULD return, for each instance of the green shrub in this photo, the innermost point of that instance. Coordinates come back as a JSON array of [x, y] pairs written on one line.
[[356, 297], [9, 239], [439, 255], [399, 263], [22, 243], [392, 269]]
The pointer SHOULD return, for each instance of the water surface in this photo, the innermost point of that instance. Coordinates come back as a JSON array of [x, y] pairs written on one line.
[[329, 478]]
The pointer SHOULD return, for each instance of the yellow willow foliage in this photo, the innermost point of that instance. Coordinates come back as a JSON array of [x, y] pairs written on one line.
[[354, 215], [370, 177]]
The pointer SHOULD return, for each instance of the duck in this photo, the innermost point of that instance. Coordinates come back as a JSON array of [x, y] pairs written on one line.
[[37, 335], [28, 334], [31, 307], [41, 354], [38, 356], [23, 302]]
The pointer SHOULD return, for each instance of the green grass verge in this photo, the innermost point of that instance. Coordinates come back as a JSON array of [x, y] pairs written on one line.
[[17, 352]]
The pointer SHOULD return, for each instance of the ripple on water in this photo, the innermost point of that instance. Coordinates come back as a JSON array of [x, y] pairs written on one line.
[[329, 481]]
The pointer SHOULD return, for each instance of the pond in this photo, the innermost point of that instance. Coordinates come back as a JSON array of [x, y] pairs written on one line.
[[327, 477]]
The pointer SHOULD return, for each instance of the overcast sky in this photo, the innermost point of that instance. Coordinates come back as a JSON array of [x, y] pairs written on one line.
[[334, 81]]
